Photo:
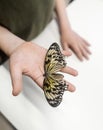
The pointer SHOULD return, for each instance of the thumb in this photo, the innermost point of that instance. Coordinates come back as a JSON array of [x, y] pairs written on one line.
[[16, 77]]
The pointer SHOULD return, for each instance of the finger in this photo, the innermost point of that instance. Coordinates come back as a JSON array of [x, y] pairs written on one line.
[[65, 46], [84, 53], [88, 44], [77, 51], [38, 78], [70, 87], [87, 49], [39, 81], [70, 71], [16, 76], [66, 51]]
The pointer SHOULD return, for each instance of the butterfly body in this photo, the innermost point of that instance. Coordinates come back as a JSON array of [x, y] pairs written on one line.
[[54, 85]]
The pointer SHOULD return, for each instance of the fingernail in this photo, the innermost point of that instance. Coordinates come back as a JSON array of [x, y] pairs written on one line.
[[76, 73]]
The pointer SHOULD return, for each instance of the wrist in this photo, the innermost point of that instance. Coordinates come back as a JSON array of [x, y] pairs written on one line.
[[65, 29], [14, 46], [9, 41]]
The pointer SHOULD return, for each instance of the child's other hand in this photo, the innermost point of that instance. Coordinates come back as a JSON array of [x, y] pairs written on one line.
[[76, 43]]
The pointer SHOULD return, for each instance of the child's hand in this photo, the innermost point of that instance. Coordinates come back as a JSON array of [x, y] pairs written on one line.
[[28, 59], [77, 44]]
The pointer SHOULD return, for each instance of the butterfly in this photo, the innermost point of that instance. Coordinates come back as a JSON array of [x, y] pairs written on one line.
[[53, 84]]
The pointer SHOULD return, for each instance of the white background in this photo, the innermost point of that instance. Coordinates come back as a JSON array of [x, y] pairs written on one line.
[[81, 110]]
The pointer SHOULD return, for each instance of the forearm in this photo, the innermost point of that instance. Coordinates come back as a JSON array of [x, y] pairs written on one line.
[[9, 41], [62, 15]]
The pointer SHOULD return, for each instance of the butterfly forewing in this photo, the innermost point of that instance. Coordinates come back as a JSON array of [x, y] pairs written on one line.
[[54, 59]]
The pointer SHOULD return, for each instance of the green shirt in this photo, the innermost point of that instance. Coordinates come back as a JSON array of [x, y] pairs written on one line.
[[26, 18]]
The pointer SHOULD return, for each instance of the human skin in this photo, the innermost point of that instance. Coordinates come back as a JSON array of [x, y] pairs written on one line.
[[26, 59], [69, 38]]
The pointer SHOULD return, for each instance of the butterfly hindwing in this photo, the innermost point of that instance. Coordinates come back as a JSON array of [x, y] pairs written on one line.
[[54, 90], [54, 85]]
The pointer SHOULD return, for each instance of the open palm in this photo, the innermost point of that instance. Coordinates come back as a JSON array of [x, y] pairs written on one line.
[[28, 59]]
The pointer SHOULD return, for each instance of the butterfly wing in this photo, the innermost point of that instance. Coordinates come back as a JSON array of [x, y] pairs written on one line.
[[54, 60], [54, 85], [54, 89]]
